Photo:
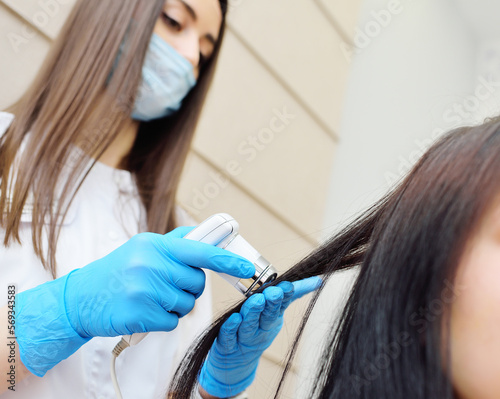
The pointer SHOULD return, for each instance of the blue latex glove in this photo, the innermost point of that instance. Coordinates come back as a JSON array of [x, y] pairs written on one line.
[[144, 285], [233, 359]]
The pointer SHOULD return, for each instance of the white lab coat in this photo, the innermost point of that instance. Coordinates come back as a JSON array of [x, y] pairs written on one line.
[[105, 214]]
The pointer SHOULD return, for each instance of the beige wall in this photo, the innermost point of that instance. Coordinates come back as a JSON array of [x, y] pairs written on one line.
[[268, 133]]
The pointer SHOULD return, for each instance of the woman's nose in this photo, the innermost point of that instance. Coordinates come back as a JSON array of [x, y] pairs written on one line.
[[189, 48]]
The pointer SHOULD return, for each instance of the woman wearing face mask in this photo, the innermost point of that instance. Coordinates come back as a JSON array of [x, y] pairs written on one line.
[[89, 157]]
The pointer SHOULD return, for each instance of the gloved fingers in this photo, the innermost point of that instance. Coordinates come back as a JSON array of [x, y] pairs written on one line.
[[227, 338], [206, 256], [271, 313], [189, 279], [298, 289], [164, 321], [180, 232], [306, 286], [288, 290], [176, 301], [250, 313]]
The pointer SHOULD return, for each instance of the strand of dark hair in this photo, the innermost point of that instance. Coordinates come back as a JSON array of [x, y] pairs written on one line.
[[407, 248]]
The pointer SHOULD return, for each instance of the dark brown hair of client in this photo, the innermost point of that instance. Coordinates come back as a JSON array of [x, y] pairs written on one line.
[[407, 247]]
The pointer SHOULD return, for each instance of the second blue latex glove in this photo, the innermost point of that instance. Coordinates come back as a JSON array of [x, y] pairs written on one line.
[[144, 285], [233, 359]]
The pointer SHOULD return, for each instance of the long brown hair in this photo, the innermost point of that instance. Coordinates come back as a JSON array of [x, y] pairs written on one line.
[[76, 101], [388, 341]]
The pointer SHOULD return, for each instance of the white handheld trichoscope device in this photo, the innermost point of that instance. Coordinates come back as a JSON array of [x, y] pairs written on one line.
[[220, 230]]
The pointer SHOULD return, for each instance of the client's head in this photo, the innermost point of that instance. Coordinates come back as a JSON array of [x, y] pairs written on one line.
[[423, 315], [474, 340], [420, 322]]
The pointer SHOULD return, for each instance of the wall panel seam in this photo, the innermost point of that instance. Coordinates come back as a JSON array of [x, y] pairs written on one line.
[[23, 18], [309, 110], [333, 22], [261, 203], [276, 360]]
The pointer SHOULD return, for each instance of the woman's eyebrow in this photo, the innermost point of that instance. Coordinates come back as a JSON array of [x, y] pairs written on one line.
[[189, 9], [191, 12]]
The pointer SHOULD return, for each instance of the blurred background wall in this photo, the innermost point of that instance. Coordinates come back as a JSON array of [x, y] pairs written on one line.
[[268, 134], [419, 68]]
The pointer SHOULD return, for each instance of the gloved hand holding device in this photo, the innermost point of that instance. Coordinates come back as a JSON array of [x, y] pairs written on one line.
[[233, 359], [144, 285]]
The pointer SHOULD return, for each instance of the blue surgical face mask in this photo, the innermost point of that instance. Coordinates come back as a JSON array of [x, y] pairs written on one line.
[[167, 77]]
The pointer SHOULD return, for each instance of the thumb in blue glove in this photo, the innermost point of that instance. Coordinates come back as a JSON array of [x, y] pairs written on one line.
[[233, 359], [157, 285]]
